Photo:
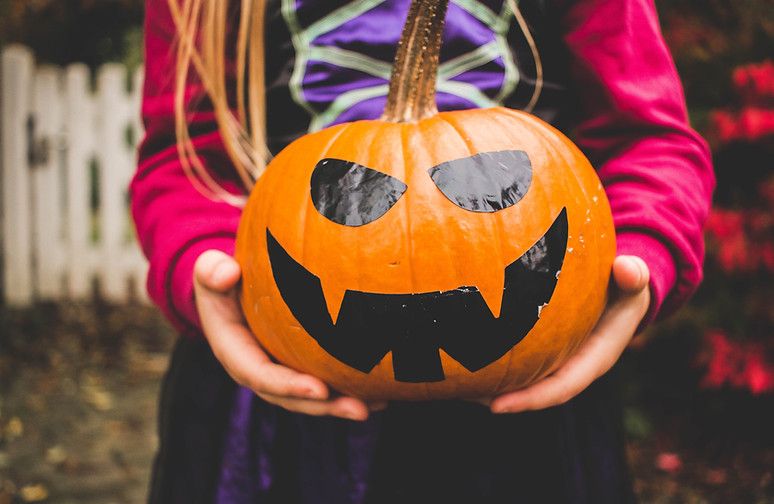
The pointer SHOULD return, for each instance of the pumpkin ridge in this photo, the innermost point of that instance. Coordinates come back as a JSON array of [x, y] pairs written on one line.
[[549, 145], [542, 130], [296, 351], [444, 118], [565, 155], [506, 371], [308, 208], [494, 219], [405, 133]]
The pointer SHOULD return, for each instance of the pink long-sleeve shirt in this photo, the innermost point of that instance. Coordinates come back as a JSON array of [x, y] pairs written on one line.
[[610, 84]]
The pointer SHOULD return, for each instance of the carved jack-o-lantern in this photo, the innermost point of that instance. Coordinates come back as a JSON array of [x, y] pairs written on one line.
[[426, 255]]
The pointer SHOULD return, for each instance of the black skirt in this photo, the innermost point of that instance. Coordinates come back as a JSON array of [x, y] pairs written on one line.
[[450, 451]]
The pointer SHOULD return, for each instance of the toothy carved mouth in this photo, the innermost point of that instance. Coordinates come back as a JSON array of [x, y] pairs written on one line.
[[415, 326]]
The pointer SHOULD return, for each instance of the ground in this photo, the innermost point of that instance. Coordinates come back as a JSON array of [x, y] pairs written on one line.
[[79, 386], [78, 403]]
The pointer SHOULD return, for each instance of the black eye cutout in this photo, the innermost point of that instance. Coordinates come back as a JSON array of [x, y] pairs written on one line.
[[485, 182], [351, 194]]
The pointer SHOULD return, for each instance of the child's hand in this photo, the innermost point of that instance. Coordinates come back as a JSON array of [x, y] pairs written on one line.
[[216, 276], [628, 304]]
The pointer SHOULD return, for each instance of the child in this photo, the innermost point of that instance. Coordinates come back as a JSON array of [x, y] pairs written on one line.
[[597, 69]]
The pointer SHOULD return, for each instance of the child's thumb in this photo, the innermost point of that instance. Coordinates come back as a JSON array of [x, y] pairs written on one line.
[[630, 273], [217, 271]]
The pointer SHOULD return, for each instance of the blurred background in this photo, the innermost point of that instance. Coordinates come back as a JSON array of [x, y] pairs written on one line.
[[80, 373]]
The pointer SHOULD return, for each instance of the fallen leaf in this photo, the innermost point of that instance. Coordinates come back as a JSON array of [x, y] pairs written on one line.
[[56, 455], [15, 428], [34, 493], [95, 394], [100, 399]]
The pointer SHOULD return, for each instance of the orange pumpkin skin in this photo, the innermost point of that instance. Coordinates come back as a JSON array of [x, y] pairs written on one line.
[[424, 243]]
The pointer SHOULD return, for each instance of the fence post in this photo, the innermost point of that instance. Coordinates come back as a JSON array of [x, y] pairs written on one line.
[[17, 74], [80, 146], [47, 175], [115, 167]]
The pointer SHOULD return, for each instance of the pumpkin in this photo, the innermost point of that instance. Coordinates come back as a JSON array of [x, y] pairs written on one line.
[[426, 255]]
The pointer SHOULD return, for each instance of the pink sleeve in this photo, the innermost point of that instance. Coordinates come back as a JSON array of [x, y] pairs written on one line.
[[175, 222], [656, 170]]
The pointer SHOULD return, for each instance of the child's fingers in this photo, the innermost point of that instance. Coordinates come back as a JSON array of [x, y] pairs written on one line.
[[249, 365], [342, 407], [244, 359], [215, 277]]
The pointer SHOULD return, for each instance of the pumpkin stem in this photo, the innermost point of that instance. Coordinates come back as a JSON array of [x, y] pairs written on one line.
[[411, 96]]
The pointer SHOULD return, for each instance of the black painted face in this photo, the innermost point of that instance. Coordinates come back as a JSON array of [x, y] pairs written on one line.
[[415, 326], [351, 194]]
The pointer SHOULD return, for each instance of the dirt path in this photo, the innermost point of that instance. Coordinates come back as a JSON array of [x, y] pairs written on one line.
[[78, 395]]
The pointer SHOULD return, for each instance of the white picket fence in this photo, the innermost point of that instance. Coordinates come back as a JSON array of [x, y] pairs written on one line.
[[67, 155]]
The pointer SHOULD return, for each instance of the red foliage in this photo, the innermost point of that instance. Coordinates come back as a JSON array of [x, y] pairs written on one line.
[[743, 239], [669, 462], [740, 365], [754, 120], [754, 83], [748, 124]]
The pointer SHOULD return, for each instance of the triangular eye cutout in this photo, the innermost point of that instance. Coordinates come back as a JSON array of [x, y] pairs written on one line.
[[485, 182], [351, 194]]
